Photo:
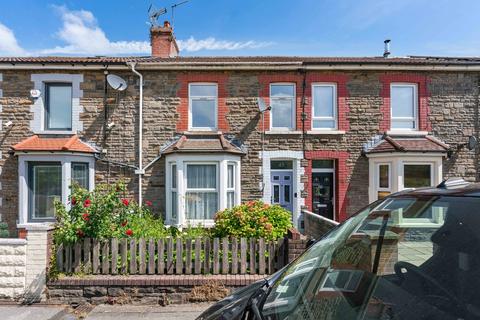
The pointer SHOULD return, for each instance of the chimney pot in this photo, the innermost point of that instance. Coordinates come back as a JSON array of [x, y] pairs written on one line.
[[163, 42]]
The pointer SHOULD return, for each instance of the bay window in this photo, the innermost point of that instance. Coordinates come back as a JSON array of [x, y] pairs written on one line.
[[324, 107], [45, 179], [199, 186], [282, 101], [404, 106], [203, 104]]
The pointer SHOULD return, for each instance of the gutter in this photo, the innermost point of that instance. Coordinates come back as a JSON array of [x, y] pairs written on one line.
[[245, 67], [140, 171]]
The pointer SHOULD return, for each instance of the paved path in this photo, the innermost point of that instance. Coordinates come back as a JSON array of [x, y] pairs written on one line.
[[15, 312], [171, 312]]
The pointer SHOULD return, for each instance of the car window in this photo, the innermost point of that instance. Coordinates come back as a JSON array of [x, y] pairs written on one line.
[[404, 258]]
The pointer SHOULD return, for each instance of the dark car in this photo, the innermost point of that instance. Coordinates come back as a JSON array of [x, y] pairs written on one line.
[[412, 255]]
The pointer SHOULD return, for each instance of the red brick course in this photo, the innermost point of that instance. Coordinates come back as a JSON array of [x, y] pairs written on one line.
[[220, 79], [341, 179], [423, 95]]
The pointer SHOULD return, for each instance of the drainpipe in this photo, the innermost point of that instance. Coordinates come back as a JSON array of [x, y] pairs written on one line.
[[140, 171]]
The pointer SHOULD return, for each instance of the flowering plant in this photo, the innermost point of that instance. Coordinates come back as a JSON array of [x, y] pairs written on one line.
[[104, 213], [253, 219]]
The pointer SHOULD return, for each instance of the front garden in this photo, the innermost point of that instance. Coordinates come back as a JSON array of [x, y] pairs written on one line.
[[104, 232]]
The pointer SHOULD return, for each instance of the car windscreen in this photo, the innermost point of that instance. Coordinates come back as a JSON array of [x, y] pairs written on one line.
[[408, 257]]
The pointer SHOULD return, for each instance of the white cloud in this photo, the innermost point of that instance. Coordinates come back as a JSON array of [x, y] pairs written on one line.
[[83, 36], [8, 43], [191, 44]]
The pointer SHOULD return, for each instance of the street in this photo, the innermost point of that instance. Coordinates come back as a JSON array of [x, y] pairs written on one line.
[[103, 312]]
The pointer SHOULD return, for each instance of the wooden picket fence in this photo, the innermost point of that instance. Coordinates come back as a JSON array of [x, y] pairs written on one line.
[[172, 256]]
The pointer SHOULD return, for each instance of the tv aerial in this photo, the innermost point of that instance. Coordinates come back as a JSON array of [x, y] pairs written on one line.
[[172, 8], [154, 13]]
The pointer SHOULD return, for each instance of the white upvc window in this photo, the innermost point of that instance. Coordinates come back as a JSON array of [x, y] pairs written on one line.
[[283, 103], [231, 177], [203, 106], [201, 192], [324, 106], [46, 178], [404, 106], [57, 110], [203, 185], [383, 181]]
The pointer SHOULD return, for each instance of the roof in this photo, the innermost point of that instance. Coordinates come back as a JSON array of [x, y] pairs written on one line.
[[102, 60], [68, 144], [202, 142], [389, 144]]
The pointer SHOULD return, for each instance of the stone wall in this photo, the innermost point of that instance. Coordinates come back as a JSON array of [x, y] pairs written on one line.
[[150, 290], [452, 114]]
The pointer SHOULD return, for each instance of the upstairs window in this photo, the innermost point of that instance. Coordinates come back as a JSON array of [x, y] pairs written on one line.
[[58, 111], [404, 106], [203, 101], [324, 113], [282, 101]]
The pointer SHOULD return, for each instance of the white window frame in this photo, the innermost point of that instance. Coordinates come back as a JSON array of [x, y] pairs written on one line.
[[181, 161], [231, 189], [415, 107], [209, 98], [294, 106], [173, 170], [65, 161], [397, 163], [37, 125], [377, 179], [335, 107], [197, 190]]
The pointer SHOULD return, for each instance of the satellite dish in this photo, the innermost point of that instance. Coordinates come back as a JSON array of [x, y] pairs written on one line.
[[472, 143], [116, 82], [262, 106]]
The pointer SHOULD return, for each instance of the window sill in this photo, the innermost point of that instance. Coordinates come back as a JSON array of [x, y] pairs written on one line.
[[69, 132], [407, 133], [282, 132], [36, 226], [326, 132]]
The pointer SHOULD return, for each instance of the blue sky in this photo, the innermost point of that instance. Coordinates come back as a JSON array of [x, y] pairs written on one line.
[[244, 27]]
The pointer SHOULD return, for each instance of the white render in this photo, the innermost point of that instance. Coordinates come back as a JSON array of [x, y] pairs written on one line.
[[181, 160], [66, 161], [37, 125], [298, 171]]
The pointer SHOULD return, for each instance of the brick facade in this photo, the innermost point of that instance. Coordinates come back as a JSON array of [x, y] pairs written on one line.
[[448, 104]]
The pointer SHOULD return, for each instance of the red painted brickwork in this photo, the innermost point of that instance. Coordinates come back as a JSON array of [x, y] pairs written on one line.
[[341, 179], [342, 94], [423, 95], [267, 79], [184, 79]]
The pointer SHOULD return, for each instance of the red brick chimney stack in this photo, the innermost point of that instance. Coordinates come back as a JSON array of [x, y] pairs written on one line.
[[163, 41]]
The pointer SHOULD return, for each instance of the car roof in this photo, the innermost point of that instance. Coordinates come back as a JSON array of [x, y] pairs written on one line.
[[459, 190]]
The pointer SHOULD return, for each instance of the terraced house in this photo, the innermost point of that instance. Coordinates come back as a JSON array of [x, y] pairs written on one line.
[[187, 133]]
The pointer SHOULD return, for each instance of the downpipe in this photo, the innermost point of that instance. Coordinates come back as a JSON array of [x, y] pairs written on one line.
[[140, 171]]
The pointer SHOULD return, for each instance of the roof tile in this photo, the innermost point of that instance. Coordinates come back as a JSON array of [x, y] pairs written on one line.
[[71, 144]]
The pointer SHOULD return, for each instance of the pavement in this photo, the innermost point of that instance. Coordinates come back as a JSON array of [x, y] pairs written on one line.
[[102, 312]]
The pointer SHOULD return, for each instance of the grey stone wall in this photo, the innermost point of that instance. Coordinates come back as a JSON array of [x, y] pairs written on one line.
[[453, 114]]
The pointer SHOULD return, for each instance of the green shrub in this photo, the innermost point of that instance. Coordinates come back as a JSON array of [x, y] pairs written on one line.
[[103, 214], [4, 230], [253, 219]]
